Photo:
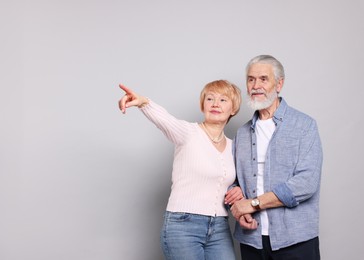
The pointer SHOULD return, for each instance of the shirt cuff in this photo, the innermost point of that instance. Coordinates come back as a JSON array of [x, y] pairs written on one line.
[[285, 195]]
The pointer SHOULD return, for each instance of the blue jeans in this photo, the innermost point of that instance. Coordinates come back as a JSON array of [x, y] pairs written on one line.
[[196, 237]]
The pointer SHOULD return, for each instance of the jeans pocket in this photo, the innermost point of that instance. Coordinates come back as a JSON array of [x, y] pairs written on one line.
[[178, 216]]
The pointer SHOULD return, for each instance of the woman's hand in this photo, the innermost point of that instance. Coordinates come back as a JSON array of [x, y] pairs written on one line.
[[131, 99], [233, 195]]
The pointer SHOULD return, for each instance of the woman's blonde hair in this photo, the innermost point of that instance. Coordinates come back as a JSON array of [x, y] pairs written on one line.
[[226, 88]]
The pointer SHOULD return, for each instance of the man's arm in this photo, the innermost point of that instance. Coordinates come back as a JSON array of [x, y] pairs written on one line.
[[244, 206], [269, 200]]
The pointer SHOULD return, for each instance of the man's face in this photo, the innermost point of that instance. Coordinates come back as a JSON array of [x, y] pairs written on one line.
[[262, 86]]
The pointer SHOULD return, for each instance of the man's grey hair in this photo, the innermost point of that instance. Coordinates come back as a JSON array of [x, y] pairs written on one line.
[[278, 69]]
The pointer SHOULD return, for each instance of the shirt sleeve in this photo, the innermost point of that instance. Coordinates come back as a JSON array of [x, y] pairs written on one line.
[[174, 129], [307, 174]]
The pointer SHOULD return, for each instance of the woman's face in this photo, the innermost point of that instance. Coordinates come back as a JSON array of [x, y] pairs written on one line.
[[217, 107]]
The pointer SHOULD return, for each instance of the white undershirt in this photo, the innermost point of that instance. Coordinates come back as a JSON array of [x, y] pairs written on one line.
[[264, 130]]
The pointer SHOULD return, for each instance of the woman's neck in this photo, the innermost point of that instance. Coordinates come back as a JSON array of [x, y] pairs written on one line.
[[214, 131]]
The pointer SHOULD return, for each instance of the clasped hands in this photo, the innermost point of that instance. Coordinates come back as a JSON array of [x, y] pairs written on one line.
[[242, 211]]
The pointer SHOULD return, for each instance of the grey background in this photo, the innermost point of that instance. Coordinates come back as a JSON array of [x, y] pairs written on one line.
[[79, 180]]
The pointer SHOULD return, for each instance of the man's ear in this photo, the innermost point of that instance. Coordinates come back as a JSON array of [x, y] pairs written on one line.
[[279, 85]]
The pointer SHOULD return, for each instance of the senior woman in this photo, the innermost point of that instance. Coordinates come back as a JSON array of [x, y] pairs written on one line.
[[196, 219]]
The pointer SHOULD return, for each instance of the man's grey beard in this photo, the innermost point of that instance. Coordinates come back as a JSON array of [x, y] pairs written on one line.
[[259, 105]]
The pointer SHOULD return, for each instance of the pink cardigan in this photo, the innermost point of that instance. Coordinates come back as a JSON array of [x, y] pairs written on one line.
[[201, 174]]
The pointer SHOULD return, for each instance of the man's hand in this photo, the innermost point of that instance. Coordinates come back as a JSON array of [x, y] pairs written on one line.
[[241, 208], [248, 222]]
